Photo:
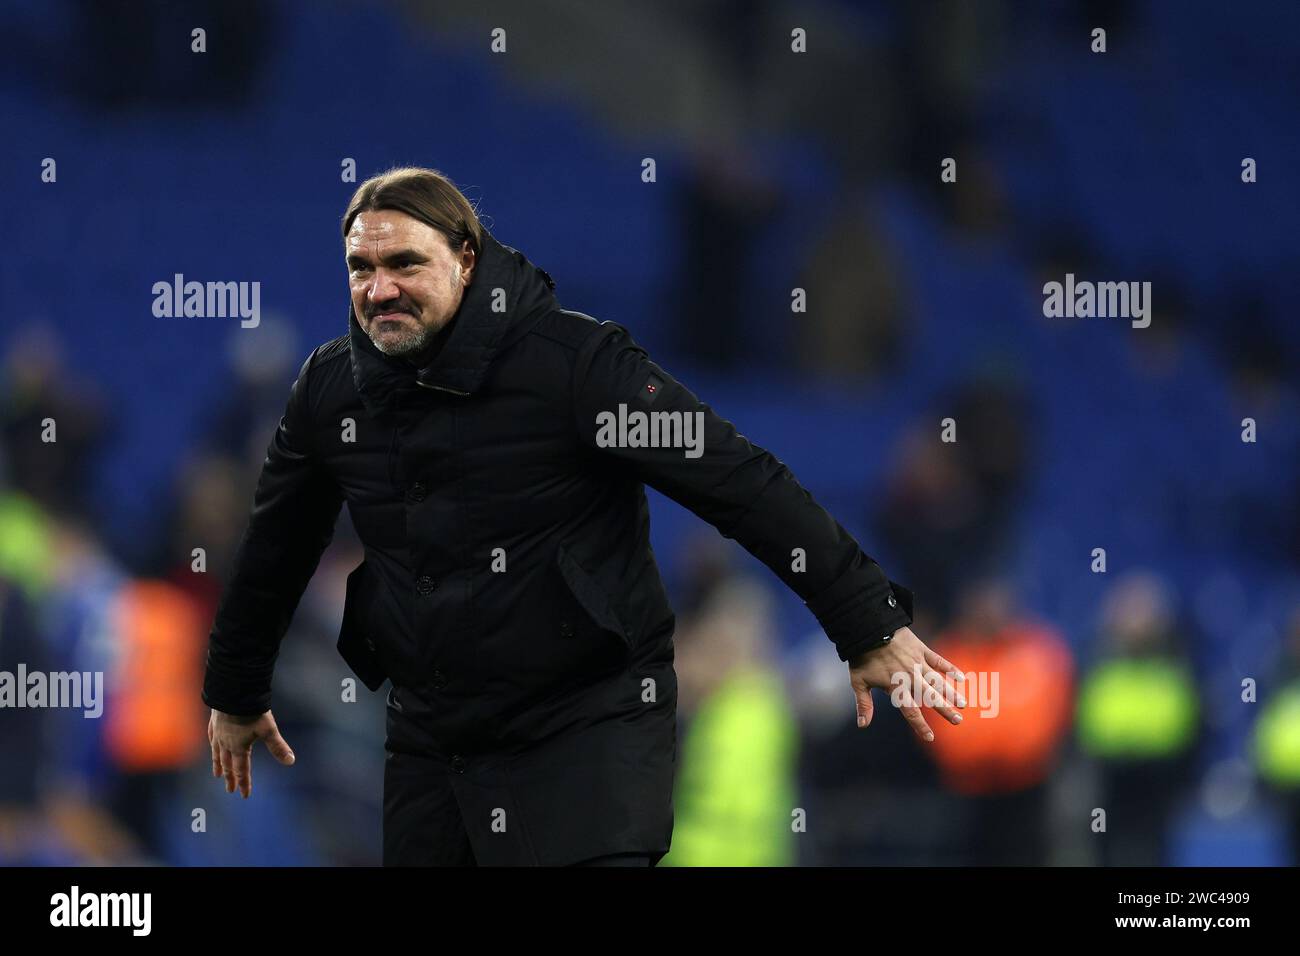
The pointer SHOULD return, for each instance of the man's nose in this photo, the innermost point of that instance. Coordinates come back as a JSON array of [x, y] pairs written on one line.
[[383, 288]]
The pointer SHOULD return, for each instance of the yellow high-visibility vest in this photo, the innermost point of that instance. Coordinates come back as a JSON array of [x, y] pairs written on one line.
[[735, 794], [26, 549], [1137, 708], [1276, 741]]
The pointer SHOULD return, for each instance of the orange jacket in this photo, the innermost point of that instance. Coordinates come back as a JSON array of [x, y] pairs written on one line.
[[1019, 687], [154, 720]]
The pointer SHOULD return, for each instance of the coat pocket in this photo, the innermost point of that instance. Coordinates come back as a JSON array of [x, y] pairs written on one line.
[[591, 596], [357, 643]]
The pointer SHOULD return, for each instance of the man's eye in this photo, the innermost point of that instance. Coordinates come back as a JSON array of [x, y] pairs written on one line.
[[408, 264]]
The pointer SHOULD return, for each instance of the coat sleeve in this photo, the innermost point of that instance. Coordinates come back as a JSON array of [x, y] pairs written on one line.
[[739, 488], [295, 507]]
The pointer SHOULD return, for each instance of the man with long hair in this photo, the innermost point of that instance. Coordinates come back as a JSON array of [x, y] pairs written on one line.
[[493, 448]]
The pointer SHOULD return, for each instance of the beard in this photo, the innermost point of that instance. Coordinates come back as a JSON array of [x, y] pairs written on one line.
[[402, 338]]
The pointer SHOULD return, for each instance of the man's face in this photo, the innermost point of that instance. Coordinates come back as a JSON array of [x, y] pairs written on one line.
[[406, 282]]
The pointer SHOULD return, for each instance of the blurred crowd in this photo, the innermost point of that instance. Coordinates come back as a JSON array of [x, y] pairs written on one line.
[[773, 769], [134, 785]]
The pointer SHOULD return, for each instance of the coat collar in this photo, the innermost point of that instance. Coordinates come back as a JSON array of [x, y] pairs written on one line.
[[477, 335]]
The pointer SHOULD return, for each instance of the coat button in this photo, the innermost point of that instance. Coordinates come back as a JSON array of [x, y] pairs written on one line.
[[458, 763], [370, 643], [566, 629], [418, 491], [892, 601], [426, 585], [438, 681]]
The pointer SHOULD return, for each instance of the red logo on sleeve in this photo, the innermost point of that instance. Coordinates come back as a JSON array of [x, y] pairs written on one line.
[[650, 391]]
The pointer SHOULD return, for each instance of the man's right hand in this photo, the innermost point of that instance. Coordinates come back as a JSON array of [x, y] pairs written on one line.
[[232, 740]]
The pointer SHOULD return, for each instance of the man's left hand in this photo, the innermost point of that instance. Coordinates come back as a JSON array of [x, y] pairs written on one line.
[[898, 666]]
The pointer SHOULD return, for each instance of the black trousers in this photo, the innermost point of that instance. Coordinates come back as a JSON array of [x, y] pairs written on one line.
[[423, 824]]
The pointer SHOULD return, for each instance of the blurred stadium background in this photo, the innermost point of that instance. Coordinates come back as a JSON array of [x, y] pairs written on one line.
[[1121, 690]]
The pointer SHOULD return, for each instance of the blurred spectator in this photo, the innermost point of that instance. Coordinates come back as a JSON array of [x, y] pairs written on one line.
[[209, 511], [25, 544], [735, 793], [154, 729], [947, 499], [942, 63], [52, 425], [1139, 720], [261, 368], [22, 731], [725, 200], [81, 780], [1275, 743], [1019, 685], [56, 755], [856, 304]]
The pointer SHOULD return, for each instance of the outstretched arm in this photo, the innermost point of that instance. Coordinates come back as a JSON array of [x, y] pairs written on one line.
[[749, 495]]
